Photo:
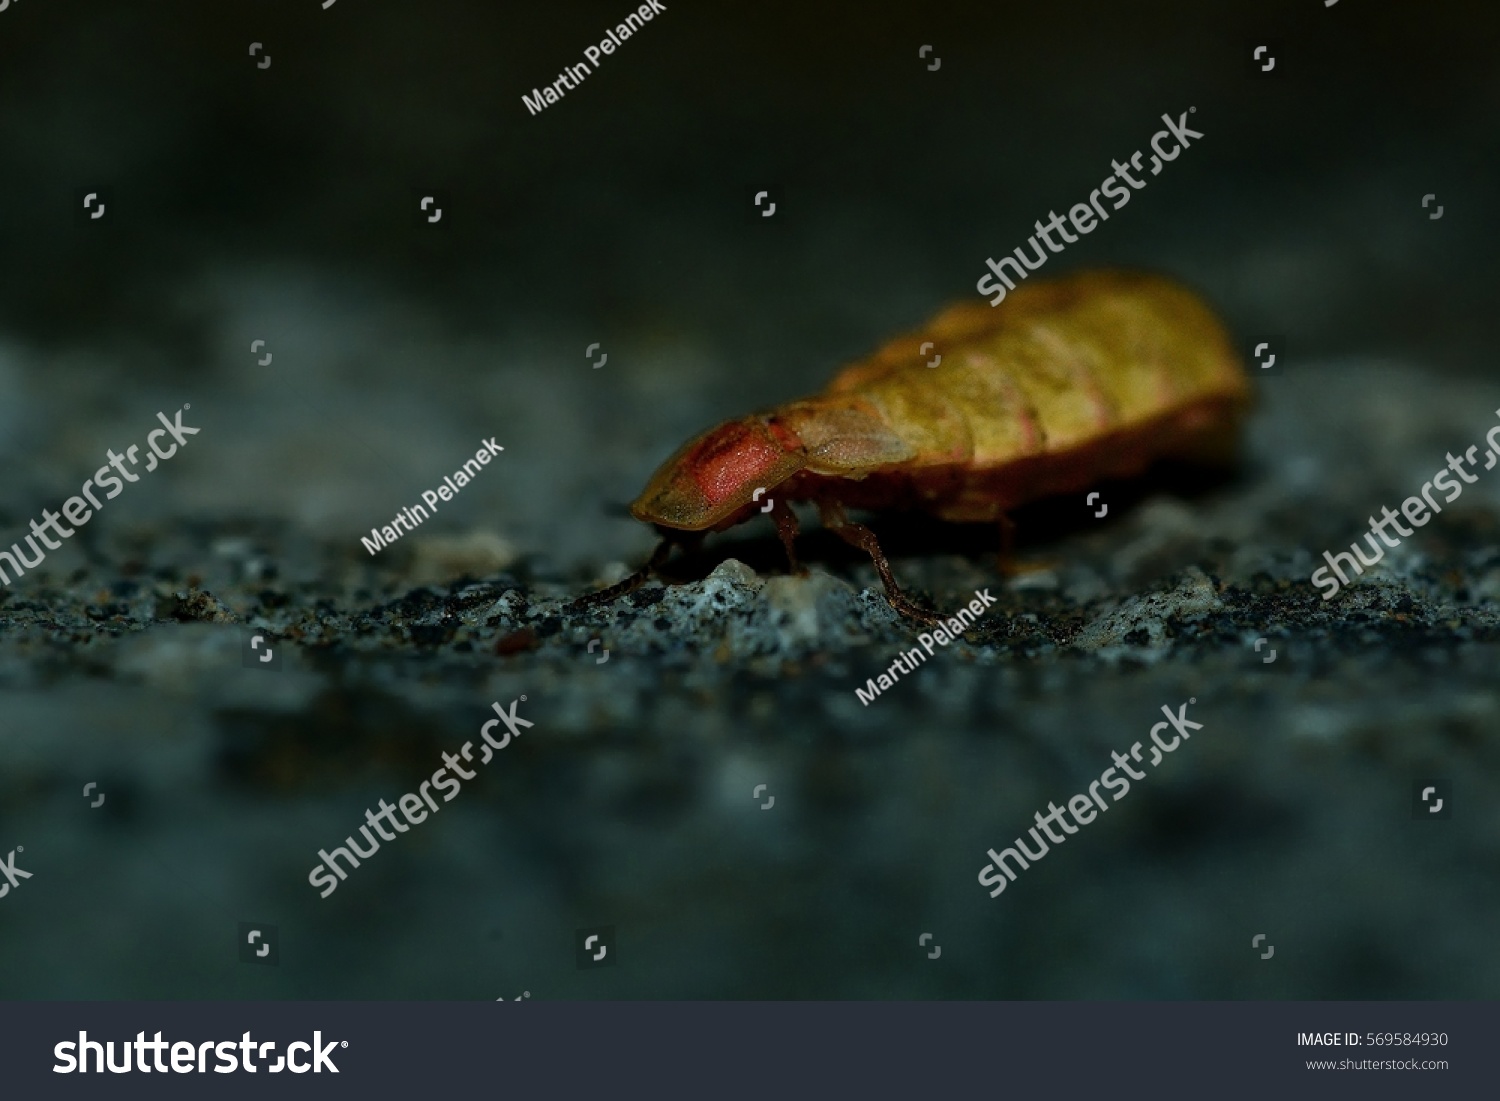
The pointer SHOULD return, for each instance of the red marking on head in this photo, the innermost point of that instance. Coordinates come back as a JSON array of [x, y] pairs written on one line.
[[717, 474], [732, 458]]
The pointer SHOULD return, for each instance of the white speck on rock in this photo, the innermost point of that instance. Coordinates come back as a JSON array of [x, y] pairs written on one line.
[[803, 610], [1193, 598]]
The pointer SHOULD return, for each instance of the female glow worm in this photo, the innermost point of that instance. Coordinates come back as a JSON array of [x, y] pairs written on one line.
[[1066, 383]]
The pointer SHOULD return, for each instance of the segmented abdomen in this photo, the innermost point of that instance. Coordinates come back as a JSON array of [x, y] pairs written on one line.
[[1067, 381]]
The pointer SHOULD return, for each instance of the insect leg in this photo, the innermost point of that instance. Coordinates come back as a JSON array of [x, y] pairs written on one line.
[[608, 596], [787, 529], [862, 537], [1009, 566], [1007, 544]]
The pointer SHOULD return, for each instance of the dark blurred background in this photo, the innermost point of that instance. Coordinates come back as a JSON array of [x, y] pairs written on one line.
[[281, 200], [280, 204]]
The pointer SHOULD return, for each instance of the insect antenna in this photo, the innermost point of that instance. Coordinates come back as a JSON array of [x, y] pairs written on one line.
[[608, 596]]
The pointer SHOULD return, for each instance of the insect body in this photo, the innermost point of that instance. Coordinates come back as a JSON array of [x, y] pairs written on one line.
[[1066, 383]]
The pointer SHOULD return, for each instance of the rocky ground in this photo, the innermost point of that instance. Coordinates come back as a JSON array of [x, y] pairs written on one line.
[[629, 803]]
